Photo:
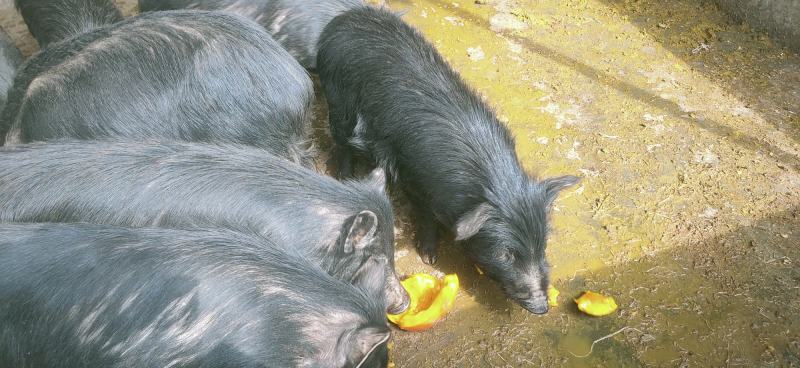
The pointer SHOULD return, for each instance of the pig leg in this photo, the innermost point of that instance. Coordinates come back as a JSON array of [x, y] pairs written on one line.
[[426, 229], [342, 122], [344, 161]]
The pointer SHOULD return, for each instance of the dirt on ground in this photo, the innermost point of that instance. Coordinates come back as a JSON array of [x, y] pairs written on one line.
[[685, 127]]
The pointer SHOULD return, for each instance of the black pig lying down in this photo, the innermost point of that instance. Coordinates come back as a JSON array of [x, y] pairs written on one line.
[[393, 97], [296, 24], [10, 59], [99, 296], [54, 20], [192, 76], [343, 226]]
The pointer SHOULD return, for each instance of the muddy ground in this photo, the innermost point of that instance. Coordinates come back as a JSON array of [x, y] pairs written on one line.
[[685, 127]]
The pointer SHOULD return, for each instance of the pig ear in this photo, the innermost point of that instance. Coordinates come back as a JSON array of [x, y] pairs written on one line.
[[469, 224], [553, 186], [377, 179], [362, 231], [363, 342]]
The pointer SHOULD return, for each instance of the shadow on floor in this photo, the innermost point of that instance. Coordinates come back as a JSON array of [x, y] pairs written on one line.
[[731, 300], [742, 61], [631, 90]]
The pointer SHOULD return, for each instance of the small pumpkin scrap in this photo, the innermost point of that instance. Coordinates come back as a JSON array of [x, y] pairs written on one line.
[[595, 304], [552, 296]]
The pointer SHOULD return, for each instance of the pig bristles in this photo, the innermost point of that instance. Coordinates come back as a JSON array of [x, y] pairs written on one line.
[[591, 348]]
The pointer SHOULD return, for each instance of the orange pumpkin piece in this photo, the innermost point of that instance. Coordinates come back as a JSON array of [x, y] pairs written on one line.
[[431, 300], [595, 304]]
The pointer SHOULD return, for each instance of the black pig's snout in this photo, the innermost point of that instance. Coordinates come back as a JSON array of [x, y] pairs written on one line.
[[399, 300], [399, 307], [534, 302], [536, 307]]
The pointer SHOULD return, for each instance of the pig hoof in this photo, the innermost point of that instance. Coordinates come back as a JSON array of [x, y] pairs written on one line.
[[428, 257], [343, 174]]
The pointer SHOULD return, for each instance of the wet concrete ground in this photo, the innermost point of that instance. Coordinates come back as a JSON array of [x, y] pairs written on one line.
[[686, 130]]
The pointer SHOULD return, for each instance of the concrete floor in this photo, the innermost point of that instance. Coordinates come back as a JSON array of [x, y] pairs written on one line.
[[685, 127]]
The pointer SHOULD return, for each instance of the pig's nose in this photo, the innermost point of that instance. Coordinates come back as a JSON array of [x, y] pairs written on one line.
[[400, 306], [536, 308]]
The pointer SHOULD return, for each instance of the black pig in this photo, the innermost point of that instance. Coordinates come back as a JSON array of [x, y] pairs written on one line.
[[393, 97], [340, 225], [10, 59], [191, 75], [99, 296], [296, 24], [54, 20]]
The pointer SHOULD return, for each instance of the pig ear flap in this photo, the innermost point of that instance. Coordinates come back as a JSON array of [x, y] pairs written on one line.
[[553, 186], [469, 224], [362, 231], [377, 179], [363, 343]]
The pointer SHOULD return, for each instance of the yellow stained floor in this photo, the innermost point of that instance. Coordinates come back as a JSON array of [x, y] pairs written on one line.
[[685, 127]]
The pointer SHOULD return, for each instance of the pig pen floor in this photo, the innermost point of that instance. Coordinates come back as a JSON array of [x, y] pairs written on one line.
[[684, 126]]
